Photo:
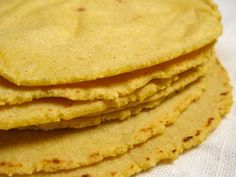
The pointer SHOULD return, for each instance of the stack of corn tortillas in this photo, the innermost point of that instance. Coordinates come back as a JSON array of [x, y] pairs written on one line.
[[106, 88]]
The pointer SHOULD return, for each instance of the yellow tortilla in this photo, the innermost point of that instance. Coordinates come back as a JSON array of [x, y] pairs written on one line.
[[54, 110], [191, 128], [107, 88], [128, 111], [25, 152], [58, 42]]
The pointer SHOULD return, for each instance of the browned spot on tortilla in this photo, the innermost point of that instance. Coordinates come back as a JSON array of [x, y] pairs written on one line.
[[55, 161], [210, 119], [2, 163], [197, 132], [9, 164], [174, 150], [81, 9], [113, 173], [68, 105], [224, 93], [187, 138], [147, 158], [132, 166], [86, 175], [160, 151]]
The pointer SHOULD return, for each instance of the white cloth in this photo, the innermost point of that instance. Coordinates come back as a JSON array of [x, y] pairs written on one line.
[[216, 157]]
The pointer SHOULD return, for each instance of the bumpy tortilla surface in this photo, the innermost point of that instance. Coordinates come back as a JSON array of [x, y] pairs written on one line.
[[54, 42]]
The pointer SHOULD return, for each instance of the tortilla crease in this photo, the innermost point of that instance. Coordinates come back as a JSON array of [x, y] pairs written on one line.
[[107, 88], [71, 148], [55, 110], [129, 110], [61, 42], [191, 128]]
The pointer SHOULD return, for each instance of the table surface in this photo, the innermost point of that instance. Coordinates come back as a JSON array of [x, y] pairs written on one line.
[[216, 157]]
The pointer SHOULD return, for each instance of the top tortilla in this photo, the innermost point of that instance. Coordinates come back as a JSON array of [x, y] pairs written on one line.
[[56, 42]]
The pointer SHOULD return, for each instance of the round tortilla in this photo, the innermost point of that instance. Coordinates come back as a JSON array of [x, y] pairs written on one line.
[[60, 42]]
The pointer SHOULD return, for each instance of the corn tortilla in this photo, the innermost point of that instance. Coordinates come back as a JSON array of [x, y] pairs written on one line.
[[61, 42]]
